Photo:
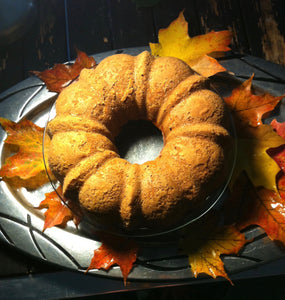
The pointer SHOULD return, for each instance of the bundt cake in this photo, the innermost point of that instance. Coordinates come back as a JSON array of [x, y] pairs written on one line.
[[158, 193]]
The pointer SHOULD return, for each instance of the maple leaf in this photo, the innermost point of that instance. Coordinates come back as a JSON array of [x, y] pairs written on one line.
[[257, 206], [25, 168], [254, 139], [174, 41], [205, 244], [278, 127], [250, 109], [266, 209], [281, 185], [252, 156], [115, 250], [278, 154], [61, 75], [206, 66], [58, 213]]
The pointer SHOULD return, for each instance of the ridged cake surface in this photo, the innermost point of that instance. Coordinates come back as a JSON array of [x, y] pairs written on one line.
[[158, 193]]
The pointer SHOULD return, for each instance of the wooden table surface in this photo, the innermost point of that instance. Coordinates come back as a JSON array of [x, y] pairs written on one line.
[[55, 28]]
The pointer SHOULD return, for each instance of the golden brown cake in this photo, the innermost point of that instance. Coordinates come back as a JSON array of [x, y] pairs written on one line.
[[90, 114]]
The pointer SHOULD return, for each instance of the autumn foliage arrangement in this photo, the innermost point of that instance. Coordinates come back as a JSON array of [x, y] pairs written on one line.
[[258, 176]]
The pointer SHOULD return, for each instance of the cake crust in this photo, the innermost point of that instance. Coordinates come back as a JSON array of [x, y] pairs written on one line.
[[158, 193]]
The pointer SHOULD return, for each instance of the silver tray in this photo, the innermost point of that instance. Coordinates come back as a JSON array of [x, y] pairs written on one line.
[[159, 258]]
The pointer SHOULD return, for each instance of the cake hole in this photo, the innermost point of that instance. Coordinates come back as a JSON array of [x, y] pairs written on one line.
[[139, 141]]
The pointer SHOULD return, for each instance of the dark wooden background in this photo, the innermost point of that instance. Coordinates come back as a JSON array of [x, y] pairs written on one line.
[[56, 27]]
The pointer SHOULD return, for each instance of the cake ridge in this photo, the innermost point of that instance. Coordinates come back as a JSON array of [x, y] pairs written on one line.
[[142, 68], [93, 165], [175, 97], [199, 130], [165, 74], [130, 195], [76, 123], [158, 193]]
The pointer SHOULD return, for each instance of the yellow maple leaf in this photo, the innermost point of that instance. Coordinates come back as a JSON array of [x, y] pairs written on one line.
[[206, 243], [252, 156], [174, 41], [254, 138]]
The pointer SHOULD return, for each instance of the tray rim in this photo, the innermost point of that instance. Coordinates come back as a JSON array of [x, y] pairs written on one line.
[[33, 225]]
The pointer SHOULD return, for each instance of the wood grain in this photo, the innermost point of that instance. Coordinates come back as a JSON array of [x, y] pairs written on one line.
[[60, 26]]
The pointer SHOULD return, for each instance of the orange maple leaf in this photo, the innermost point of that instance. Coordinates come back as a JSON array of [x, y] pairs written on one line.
[[174, 41], [206, 66], [266, 209], [206, 242], [115, 250], [61, 75], [58, 213], [250, 109], [253, 137], [25, 167]]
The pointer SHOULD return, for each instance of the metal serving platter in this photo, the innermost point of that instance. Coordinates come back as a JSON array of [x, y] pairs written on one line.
[[159, 258]]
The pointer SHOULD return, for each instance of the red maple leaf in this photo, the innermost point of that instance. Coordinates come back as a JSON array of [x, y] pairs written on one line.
[[61, 75], [279, 127], [278, 154], [115, 250]]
